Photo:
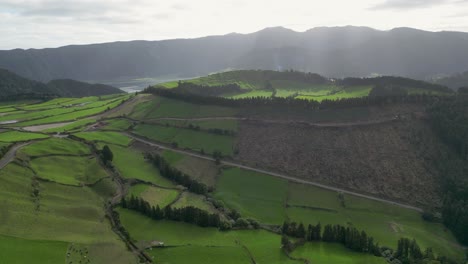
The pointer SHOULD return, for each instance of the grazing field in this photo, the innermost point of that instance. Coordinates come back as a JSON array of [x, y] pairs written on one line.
[[164, 107], [254, 195], [153, 195], [62, 213], [16, 136], [132, 165], [105, 136], [272, 200], [202, 170], [347, 92], [200, 255], [263, 246], [17, 250], [188, 138], [117, 124], [195, 200], [68, 170], [71, 127], [62, 146], [319, 252]]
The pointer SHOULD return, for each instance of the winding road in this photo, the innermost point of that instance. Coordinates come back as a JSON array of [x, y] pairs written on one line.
[[10, 155], [278, 175]]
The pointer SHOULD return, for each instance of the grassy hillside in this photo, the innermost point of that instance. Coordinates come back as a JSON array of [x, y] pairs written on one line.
[[14, 87], [59, 196], [292, 84], [72, 88]]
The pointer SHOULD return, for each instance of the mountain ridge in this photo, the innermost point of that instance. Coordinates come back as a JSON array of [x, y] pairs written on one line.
[[329, 51]]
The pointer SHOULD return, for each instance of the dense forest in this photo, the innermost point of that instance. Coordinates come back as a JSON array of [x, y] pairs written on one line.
[[449, 119]]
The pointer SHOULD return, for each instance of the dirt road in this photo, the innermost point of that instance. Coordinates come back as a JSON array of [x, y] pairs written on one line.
[[286, 177], [10, 155]]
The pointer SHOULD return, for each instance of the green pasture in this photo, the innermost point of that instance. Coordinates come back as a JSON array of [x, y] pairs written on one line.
[[62, 213], [17, 250], [68, 170], [163, 107], [187, 138], [117, 124], [105, 136], [16, 136], [202, 170], [153, 195], [272, 200], [253, 194], [74, 126], [264, 247], [62, 146], [195, 200], [132, 165], [326, 253]]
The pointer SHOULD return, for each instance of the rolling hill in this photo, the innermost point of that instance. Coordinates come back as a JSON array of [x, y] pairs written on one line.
[[336, 52], [300, 85], [14, 86]]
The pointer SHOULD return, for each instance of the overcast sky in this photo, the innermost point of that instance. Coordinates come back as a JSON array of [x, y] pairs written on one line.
[[53, 23]]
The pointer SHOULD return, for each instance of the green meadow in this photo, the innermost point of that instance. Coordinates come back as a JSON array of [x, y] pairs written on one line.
[[187, 138], [153, 195], [16, 136], [62, 146], [68, 170]]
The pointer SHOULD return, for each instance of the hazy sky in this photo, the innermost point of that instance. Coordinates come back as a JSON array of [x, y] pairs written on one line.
[[53, 23]]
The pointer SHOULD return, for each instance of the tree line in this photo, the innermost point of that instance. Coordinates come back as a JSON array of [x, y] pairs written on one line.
[[449, 120], [187, 214], [407, 252], [173, 174], [350, 237], [387, 81], [289, 102]]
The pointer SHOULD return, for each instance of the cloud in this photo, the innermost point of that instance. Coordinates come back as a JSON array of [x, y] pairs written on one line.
[[410, 4]]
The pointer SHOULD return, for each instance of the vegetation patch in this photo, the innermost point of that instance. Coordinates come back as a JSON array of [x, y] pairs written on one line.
[[68, 170], [105, 136], [187, 138], [58, 146], [16, 136], [132, 165], [253, 194], [153, 195]]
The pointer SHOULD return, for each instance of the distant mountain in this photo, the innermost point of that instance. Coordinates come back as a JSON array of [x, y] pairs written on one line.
[[455, 81], [333, 52], [14, 86], [72, 88]]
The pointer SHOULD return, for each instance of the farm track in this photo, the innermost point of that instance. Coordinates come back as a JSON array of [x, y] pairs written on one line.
[[278, 175], [274, 121], [10, 155]]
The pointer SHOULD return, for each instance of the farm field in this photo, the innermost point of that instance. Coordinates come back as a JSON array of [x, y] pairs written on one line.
[[140, 168], [80, 170], [187, 138], [56, 146], [154, 195], [59, 194], [202, 170], [106, 137], [277, 200], [17, 136], [263, 245], [164, 107]]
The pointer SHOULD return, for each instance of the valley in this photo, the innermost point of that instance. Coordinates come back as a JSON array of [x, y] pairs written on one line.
[[63, 199]]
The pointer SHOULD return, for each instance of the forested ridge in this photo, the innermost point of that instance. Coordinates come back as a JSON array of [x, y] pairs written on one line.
[[449, 118]]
